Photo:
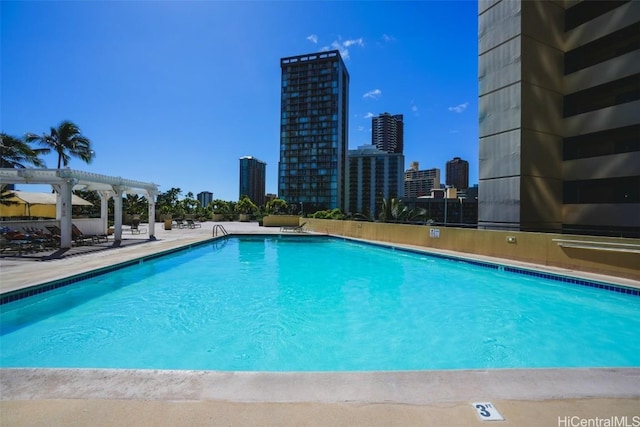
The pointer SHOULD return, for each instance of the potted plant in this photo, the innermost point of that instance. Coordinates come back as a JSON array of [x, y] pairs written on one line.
[[245, 207]]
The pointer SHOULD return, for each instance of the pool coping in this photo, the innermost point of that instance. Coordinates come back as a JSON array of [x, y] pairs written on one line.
[[406, 387]]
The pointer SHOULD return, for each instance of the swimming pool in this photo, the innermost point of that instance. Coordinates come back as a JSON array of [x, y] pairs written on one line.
[[318, 304]]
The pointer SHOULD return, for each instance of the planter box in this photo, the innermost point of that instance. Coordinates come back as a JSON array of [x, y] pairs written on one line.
[[217, 217], [281, 221], [245, 217]]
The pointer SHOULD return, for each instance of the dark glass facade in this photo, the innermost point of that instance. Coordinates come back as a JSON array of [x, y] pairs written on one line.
[[457, 173], [373, 175], [387, 132], [314, 131], [253, 179]]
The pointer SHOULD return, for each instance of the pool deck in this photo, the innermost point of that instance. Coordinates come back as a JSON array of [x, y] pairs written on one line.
[[72, 397]]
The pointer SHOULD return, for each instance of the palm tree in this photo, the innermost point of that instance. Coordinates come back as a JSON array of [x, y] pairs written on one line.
[[392, 210], [14, 153], [133, 204], [67, 141]]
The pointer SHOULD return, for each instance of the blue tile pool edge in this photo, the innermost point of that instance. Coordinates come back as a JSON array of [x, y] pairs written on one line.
[[511, 269], [39, 288], [19, 294]]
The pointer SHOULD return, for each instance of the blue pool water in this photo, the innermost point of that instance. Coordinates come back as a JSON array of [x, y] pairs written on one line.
[[318, 304]]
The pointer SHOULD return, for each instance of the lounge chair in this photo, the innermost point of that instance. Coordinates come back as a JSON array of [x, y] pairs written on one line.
[[293, 229], [180, 223], [192, 224], [79, 237], [15, 241], [48, 239]]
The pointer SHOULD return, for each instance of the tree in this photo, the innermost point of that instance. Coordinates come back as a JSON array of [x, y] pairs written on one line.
[[276, 206], [15, 153], [245, 206], [167, 202], [67, 141], [133, 204], [189, 204], [392, 210], [219, 206]]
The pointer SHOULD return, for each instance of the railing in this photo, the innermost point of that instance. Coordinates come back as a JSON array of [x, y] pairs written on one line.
[[219, 228], [598, 246]]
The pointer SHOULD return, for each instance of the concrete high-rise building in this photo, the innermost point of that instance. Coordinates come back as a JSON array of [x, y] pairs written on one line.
[[314, 131], [373, 175], [205, 197], [457, 173], [418, 183], [559, 105], [253, 179], [387, 133]]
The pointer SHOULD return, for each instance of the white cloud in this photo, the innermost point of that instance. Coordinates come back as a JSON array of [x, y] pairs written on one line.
[[358, 42], [342, 46], [459, 108], [387, 38], [313, 38], [414, 109], [374, 94], [360, 128], [369, 115]]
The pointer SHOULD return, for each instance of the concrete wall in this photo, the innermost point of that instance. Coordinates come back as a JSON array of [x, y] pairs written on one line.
[[536, 248], [281, 221]]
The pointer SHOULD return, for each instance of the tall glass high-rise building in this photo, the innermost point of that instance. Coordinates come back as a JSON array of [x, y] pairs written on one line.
[[314, 131], [205, 197], [458, 173], [374, 175], [252, 179], [387, 132]]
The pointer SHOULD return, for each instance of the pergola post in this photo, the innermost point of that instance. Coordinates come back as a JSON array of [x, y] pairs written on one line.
[[63, 211], [151, 198], [117, 214], [104, 208]]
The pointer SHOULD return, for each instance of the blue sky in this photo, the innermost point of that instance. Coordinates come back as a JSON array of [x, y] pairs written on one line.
[[176, 92]]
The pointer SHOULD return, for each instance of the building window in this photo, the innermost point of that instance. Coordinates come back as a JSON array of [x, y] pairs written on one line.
[[586, 11], [605, 95], [610, 190], [610, 46], [610, 141]]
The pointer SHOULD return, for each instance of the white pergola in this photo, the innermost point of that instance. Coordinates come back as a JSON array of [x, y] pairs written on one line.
[[64, 181]]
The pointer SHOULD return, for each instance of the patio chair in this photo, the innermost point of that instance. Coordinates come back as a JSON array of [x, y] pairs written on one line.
[[80, 238], [48, 239], [192, 224], [180, 223], [16, 241], [135, 226], [293, 229]]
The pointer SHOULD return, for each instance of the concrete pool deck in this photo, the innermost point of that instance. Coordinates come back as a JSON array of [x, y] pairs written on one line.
[[70, 397]]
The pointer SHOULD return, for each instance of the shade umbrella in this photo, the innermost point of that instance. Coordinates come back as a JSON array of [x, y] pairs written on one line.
[[42, 205]]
